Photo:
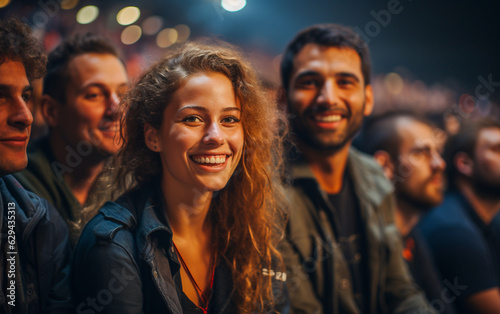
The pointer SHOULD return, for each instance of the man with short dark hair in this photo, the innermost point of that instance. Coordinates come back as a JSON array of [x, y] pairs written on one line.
[[82, 90], [344, 252], [460, 232], [407, 147], [34, 248]]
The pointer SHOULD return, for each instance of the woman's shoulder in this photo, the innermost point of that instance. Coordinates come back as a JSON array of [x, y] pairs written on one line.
[[113, 227]]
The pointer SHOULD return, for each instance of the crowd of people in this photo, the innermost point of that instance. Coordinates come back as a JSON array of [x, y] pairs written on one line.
[[191, 190]]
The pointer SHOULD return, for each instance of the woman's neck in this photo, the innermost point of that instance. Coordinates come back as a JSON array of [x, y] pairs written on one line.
[[187, 211]]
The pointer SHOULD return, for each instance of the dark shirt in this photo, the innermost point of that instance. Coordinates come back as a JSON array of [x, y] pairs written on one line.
[[351, 238], [460, 243], [495, 235], [424, 271]]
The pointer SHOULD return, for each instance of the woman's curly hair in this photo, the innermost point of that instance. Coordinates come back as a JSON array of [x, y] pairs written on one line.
[[18, 44], [248, 213]]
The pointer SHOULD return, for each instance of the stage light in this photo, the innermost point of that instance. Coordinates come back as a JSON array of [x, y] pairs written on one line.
[[166, 37], [68, 4], [183, 32], [233, 5], [131, 34], [152, 25], [87, 14], [128, 15], [4, 3]]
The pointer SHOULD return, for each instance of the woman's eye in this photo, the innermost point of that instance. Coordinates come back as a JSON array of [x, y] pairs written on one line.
[[92, 96], [192, 119], [230, 119]]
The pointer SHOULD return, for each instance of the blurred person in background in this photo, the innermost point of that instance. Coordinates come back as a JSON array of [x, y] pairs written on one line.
[[408, 148], [344, 253], [82, 90], [34, 247], [459, 232], [198, 230]]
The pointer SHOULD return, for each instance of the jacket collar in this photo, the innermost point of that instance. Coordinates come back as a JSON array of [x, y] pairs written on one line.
[[364, 173]]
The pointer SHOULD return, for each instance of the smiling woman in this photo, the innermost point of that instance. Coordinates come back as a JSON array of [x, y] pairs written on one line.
[[198, 230]]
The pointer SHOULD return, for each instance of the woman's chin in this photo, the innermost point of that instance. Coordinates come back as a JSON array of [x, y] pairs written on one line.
[[213, 186]]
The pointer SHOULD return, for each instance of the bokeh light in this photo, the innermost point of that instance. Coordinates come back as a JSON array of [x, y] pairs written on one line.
[[68, 4], [394, 83], [152, 25], [131, 34], [233, 5], [183, 32], [166, 37], [87, 14], [4, 3], [128, 15]]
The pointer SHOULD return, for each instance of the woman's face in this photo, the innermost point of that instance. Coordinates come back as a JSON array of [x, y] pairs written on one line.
[[201, 137]]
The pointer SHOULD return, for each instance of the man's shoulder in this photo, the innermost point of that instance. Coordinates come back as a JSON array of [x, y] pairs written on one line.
[[366, 165], [449, 225], [368, 177], [449, 216], [31, 207]]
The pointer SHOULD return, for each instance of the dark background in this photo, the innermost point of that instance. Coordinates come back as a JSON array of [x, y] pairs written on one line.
[[438, 42]]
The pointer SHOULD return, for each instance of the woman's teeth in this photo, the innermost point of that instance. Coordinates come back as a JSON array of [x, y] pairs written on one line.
[[210, 160]]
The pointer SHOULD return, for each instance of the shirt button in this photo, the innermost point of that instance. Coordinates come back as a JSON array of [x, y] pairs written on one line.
[[155, 273], [344, 284]]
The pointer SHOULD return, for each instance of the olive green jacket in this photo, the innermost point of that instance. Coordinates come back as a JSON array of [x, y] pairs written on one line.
[[318, 283]]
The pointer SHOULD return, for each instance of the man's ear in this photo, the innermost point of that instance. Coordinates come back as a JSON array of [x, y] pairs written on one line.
[[50, 109], [368, 100], [384, 160], [151, 138], [464, 164]]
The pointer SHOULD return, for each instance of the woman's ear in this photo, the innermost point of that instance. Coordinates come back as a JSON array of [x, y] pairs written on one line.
[[151, 138]]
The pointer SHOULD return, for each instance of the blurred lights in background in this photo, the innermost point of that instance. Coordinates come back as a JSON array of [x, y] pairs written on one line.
[[394, 83], [152, 25], [183, 32], [4, 3], [131, 34], [166, 37], [68, 4], [128, 15], [87, 14], [233, 5]]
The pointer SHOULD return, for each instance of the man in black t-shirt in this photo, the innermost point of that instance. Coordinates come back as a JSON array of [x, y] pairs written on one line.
[[342, 251], [407, 147], [461, 231]]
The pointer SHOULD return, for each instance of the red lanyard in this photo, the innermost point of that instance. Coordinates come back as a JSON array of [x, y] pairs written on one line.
[[199, 292]]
